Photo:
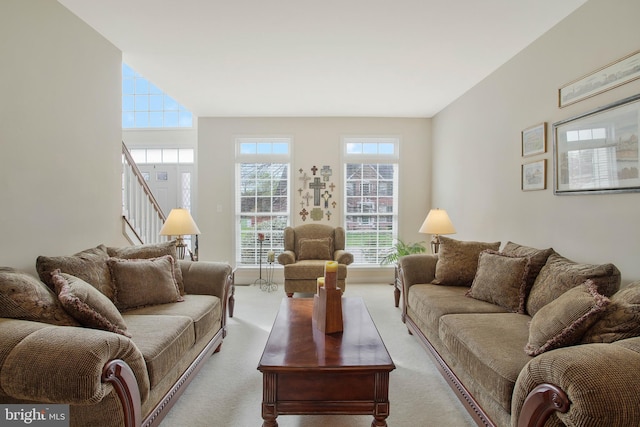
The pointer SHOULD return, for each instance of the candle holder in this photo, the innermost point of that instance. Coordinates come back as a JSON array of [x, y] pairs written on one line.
[[327, 303], [260, 281], [269, 285]]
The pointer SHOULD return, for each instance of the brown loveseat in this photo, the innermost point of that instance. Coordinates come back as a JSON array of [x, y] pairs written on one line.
[[527, 337], [119, 356]]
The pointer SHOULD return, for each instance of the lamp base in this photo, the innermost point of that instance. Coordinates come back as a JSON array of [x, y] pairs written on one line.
[[435, 244], [181, 247]]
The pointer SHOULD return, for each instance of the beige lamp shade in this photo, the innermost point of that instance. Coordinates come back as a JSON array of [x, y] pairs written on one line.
[[437, 222], [179, 223]]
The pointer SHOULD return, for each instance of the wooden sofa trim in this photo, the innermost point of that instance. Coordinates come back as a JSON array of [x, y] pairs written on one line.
[[540, 403], [118, 373], [470, 404]]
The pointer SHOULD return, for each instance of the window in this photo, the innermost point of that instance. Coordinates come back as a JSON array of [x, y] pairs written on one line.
[[144, 105], [371, 197], [262, 196]]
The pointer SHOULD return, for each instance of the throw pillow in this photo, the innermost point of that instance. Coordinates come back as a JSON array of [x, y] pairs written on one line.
[[564, 321], [316, 249], [151, 250], [621, 318], [458, 261], [501, 280], [140, 282], [24, 297], [561, 274], [538, 258], [88, 305], [89, 265]]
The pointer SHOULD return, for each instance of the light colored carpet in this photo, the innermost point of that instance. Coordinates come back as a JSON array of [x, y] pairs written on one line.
[[228, 389]]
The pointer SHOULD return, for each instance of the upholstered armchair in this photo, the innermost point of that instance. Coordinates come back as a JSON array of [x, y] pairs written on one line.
[[306, 249]]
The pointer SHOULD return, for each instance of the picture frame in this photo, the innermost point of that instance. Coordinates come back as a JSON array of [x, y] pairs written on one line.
[[534, 175], [597, 151], [615, 74], [534, 140]]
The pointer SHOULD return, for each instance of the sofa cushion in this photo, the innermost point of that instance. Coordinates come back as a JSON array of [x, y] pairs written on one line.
[[89, 265], [564, 321], [561, 274], [458, 261], [538, 258], [204, 310], [24, 297], [88, 305], [621, 318], [315, 249], [488, 346], [162, 340], [430, 302], [150, 250], [501, 279], [140, 282]]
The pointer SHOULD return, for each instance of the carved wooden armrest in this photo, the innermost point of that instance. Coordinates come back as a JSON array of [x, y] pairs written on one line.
[[120, 375], [540, 403]]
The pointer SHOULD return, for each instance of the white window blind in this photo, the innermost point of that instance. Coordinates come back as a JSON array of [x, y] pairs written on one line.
[[262, 197], [371, 197]]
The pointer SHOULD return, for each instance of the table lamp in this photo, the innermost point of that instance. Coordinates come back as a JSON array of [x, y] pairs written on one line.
[[179, 223], [437, 223]]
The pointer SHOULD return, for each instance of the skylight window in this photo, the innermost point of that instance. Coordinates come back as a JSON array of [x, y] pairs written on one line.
[[144, 105]]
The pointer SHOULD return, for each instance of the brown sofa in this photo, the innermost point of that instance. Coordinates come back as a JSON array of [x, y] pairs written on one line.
[[118, 357], [527, 337]]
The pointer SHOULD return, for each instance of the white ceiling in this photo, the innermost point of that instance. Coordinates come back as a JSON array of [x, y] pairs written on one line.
[[375, 58]]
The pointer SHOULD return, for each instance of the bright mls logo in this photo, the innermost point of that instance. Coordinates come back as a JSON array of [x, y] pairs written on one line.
[[36, 415]]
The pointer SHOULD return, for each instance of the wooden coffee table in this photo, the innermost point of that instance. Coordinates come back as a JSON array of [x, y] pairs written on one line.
[[308, 372]]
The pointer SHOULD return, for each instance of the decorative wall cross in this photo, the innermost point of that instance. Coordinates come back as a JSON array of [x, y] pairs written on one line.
[[314, 169], [329, 215], [326, 196], [306, 197], [304, 178], [303, 214], [316, 186], [332, 186], [326, 172]]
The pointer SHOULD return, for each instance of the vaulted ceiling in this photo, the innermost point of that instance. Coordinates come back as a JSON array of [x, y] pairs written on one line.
[[374, 58]]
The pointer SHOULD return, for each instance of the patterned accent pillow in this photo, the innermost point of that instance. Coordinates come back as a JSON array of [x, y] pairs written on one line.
[[140, 282], [564, 321], [538, 258], [561, 274], [151, 250], [458, 261], [316, 249], [621, 318], [501, 279], [89, 265], [88, 305], [24, 297]]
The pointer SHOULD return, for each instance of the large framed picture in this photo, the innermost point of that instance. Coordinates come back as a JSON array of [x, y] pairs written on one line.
[[534, 175], [597, 152], [613, 75], [534, 140]]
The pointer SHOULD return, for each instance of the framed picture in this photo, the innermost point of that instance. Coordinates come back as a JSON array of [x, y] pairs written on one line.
[[597, 152], [534, 175], [613, 75], [534, 140]]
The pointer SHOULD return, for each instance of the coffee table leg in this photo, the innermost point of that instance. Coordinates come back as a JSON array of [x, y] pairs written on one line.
[[269, 405], [381, 410]]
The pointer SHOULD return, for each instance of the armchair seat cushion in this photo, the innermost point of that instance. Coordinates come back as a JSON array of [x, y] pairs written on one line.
[[309, 268]]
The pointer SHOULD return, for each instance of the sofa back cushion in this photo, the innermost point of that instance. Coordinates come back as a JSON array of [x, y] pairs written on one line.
[[89, 265], [458, 261], [621, 318], [24, 297], [561, 274]]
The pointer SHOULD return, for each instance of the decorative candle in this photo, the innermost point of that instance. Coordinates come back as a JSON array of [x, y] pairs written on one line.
[[271, 256], [331, 274], [320, 282]]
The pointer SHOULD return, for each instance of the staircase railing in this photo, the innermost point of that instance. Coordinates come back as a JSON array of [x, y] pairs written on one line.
[[142, 216]]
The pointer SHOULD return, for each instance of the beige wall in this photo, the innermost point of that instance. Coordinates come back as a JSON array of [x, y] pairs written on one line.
[[316, 141], [477, 155], [60, 133]]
